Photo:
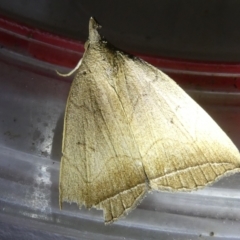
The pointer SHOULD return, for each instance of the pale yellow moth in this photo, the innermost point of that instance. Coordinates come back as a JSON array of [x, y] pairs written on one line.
[[130, 129]]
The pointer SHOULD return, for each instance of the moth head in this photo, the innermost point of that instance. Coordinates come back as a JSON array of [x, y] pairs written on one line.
[[93, 33]]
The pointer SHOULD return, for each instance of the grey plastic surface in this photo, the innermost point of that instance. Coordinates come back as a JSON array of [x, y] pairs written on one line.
[[32, 102]]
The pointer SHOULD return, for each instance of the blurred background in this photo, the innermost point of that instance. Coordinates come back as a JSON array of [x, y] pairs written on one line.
[[206, 30]]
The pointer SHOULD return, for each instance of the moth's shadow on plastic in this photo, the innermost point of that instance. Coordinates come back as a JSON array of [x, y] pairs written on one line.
[[56, 152]]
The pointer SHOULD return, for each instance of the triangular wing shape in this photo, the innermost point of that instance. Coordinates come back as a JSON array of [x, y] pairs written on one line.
[[129, 129]]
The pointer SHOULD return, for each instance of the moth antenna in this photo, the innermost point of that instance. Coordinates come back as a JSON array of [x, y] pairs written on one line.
[[71, 72], [93, 37]]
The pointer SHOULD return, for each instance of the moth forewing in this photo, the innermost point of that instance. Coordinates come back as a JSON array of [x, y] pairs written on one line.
[[129, 129]]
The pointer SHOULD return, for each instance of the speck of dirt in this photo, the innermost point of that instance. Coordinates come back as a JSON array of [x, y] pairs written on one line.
[[211, 234], [11, 135], [44, 153]]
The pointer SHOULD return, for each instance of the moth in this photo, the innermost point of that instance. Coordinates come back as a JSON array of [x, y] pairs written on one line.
[[130, 129]]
